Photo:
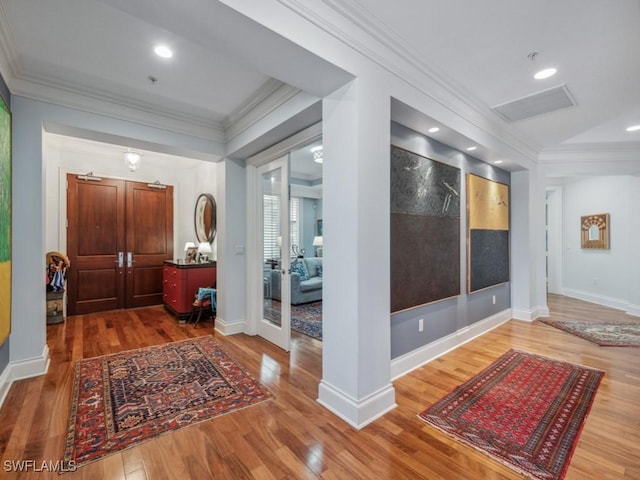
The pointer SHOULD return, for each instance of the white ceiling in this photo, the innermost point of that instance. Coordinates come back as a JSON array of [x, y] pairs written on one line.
[[481, 49], [103, 48]]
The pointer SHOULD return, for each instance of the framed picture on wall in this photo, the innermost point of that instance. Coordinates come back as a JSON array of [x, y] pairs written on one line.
[[5, 220], [319, 227], [594, 231]]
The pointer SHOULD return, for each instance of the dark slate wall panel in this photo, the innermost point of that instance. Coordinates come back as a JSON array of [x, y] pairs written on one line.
[[425, 259], [423, 186], [489, 258]]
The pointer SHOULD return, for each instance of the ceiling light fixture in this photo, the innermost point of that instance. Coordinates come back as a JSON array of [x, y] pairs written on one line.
[[132, 160], [317, 154], [471, 149], [633, 128], [497, 162], [545, 72], [433, 130], [163, 51]]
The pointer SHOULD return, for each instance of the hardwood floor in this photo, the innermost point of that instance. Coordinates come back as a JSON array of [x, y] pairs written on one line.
[[293, 437]]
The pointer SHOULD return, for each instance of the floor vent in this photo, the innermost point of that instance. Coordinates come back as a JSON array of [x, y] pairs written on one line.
[[542, 102]]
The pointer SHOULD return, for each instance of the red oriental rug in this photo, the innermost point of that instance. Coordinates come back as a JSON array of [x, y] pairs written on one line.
[[124, 399], [524, 410]]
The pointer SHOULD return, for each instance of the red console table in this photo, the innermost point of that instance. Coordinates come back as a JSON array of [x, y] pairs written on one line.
[[180, 282]]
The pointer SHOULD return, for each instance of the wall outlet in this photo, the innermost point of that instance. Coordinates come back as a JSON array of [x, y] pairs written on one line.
[[239, 249], [421, 324], [493, 299]]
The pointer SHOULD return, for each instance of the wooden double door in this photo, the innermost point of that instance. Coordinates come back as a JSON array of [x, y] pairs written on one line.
[[119, 233]]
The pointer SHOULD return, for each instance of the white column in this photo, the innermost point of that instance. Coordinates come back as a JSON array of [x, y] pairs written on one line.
[[356, 356], [528, 272], [29, 352], [634, 252], [231, 267]]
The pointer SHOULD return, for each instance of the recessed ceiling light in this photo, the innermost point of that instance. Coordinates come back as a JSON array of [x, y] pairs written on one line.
[[471, 149], [546, 73], [433, 130], [163, 51], [498, 162], [633, 128]]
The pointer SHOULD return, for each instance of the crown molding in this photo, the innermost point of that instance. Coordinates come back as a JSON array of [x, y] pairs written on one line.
[[120, 107], [376, 41], [9, 63], [272, 94]]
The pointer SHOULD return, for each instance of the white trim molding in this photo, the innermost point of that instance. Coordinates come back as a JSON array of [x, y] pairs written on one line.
[[530, 315], [410, 361], [357, 413], [633, 310], [20, 370], [230, 328], [617, 303]]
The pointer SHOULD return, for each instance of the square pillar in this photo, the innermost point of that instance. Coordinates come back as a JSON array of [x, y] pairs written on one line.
[[528, 270], [356, 383]]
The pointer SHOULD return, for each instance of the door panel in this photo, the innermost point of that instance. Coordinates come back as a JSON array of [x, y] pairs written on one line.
[[107, 218], [95, 236], [149, 241], [273, 203]]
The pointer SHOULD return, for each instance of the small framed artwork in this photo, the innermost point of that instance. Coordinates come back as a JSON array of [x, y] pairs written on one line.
[[319, 227], [190, 255], [594, 231]]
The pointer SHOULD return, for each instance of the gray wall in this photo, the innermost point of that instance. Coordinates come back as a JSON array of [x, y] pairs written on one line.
[[447, 316], [4, 348]]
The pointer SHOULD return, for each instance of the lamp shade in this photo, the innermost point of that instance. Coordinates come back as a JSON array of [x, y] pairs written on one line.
[[317, 241], [204, 247], [189, 245]]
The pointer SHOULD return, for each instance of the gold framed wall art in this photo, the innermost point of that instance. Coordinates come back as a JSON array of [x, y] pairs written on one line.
[[594, 231]]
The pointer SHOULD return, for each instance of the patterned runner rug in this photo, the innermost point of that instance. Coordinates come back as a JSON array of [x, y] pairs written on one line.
[[524, 410], [124, 399], [604, 334]]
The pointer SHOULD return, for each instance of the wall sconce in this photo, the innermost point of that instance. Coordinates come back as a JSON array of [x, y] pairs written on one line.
[[132, 160]]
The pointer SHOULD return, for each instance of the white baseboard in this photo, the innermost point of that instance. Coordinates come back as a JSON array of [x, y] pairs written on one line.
[[530, 315], [633, 310], [357, 412], [230, 328], [410, 361], [31, 367], [616, 303], [5, 383]]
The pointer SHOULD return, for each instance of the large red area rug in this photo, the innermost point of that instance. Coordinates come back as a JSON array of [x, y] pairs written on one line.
[[524, 410], [123, 399], [604, 334]]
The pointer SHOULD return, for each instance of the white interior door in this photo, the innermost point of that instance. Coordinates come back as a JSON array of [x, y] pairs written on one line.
[[273, 224]]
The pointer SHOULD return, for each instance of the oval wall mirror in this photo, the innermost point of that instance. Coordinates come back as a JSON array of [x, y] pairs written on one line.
[[205, 218]]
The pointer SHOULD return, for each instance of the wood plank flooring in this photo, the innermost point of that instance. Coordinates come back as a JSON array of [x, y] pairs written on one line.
[[293, 437]]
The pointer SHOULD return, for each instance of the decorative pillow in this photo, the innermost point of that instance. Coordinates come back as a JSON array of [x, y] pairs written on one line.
[[319, 269], [301, 269]]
